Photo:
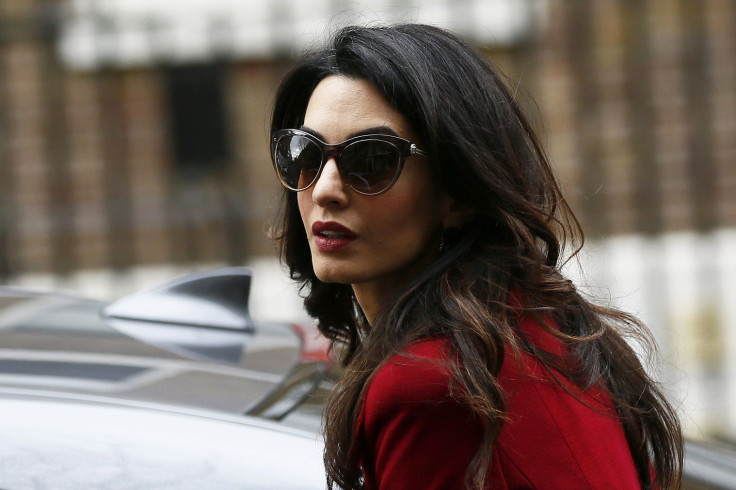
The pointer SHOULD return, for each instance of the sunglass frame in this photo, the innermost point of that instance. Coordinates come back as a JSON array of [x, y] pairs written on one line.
[[405, 147]]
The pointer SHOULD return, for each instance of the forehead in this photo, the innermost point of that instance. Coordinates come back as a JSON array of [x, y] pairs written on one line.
[[340, 107]]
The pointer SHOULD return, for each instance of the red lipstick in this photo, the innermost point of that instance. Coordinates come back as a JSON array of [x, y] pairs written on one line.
[[330, 236]]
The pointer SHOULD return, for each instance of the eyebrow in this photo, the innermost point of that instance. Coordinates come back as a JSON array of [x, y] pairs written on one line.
[[372, 130]]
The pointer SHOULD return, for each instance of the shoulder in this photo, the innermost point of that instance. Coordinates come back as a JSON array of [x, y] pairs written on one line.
[[534, 388], [413, 384], [554, 428], [411, 416], [414, 392], [421, 372]]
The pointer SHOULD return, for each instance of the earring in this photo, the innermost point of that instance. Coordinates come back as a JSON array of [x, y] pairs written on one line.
[[450, 236]]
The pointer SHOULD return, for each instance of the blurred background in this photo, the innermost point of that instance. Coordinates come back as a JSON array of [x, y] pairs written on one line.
[[134, 147]]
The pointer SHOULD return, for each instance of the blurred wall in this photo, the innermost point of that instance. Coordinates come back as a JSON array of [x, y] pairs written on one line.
[[636, 98]]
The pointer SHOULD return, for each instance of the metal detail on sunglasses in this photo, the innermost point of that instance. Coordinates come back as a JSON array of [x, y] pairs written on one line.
[[369, 164]]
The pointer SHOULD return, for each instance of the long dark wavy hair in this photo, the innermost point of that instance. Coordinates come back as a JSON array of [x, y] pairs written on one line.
[[489, 159]]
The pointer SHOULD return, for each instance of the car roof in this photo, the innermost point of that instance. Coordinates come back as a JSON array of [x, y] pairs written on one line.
[[94, 444]]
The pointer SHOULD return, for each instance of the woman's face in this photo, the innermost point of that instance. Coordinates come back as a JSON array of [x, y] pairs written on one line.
[[375, 243]]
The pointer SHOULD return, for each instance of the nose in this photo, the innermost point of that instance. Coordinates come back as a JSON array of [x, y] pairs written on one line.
[[329, 188]]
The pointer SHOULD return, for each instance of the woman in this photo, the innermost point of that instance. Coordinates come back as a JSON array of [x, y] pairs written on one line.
[[426, 228]]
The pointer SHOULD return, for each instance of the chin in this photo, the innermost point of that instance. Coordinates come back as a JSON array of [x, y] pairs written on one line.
[[329, 273], [333, 277]]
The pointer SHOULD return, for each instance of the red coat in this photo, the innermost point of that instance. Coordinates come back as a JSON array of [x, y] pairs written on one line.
[[415, 435]]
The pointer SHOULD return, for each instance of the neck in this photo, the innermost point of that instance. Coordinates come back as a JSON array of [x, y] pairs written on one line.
[[373, 294], [368, 299]]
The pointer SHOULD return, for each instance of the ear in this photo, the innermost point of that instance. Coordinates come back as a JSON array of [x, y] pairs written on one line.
[[455, 214]]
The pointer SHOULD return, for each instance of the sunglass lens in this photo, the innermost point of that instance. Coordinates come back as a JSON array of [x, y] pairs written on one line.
[[370, 166], [297, 160]]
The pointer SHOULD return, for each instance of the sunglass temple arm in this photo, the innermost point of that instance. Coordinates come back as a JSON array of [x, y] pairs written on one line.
[[416, 151]]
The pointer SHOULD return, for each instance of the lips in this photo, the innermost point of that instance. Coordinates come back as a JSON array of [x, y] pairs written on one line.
[[330, 236]]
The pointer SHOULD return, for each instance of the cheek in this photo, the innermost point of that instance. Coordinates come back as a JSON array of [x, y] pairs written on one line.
[[304, 202], [410, 218], [416, 200]]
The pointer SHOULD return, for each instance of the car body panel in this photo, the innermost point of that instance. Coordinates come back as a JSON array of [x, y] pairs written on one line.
[[58, 443], [709, 465]]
